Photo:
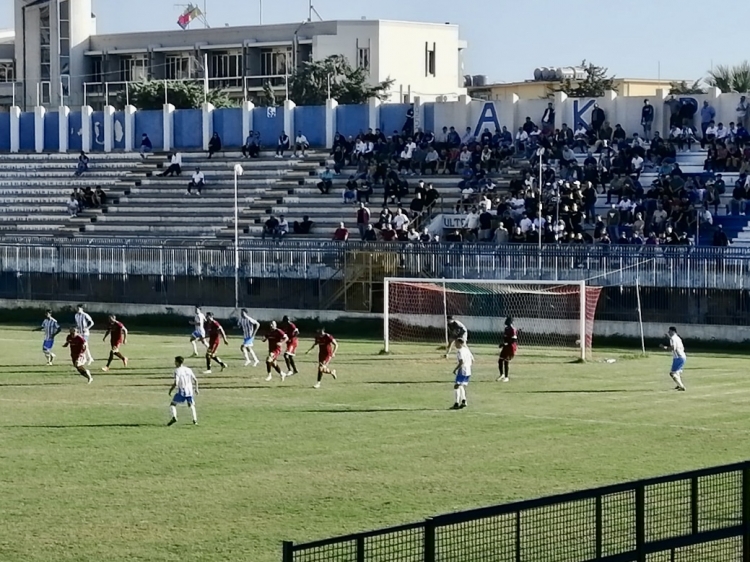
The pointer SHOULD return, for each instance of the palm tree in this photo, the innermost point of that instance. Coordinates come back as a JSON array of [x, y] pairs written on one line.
[[683, 88], [730, 78]]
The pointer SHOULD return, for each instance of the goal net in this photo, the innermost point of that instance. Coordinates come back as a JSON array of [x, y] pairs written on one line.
[[553, 318]]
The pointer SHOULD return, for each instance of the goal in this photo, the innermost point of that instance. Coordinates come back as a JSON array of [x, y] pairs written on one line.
[[551, 316]]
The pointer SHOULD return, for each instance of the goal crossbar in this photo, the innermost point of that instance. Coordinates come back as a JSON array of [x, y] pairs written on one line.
[[479, 288]]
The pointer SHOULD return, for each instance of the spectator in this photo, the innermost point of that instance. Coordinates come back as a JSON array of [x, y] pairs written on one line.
[[363, 219], [647, 118], [613, 222], [742, 109], [83, 164], [597, 118], [548, 119], [720, 238], [364, 191], [270, 228], [388, 234], [522, 140], [282, 145], [501, 234], [301, 144], [400, 220], [175, 165], [303, 227], [251, 148], [99, 197], [341, 234], [198, 182], [146, 145], [369, 235], [326, 181], [416, 207], [350, 191], [708, 114], [431, 161], [425, 237], [214, 145], [73, 207], [485, 226], [431, 196], [283, 229]]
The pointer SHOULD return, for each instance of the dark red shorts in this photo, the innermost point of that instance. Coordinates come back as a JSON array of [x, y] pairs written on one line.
[[324, 358], [291, 346], [273, 354], [213, 346], [508, 352]]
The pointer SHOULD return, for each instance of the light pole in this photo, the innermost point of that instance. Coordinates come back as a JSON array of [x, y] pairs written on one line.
[[237, 173]]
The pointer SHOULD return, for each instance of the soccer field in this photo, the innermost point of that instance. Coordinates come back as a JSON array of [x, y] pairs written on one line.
[[92, 473]]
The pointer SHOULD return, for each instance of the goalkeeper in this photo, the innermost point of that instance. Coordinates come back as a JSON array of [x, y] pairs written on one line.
[[456, 330]]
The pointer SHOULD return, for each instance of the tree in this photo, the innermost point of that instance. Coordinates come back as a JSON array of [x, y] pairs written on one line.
[[683, 88], [309, 84], [181, 94], [730, 78], [267, 97], [593, 86]]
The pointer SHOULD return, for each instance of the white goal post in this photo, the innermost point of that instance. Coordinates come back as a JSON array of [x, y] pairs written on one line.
[[547, 314]]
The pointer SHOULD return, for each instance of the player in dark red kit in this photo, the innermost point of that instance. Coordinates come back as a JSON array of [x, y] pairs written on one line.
[[215, 334], [327, 347], [118, 336], [292, 333], [77, 346], [275, 337], [508, 349]]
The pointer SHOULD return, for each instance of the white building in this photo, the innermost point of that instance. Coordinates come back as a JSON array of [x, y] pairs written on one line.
[[59, 58]]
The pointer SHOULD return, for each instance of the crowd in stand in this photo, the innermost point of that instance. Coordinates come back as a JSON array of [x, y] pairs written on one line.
[[86, 198]]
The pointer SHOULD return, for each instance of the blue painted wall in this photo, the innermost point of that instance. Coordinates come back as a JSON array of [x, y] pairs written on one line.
[[75, 142], [267, 125], [311, 120], [119, 136], [5, 132], [52, 132], [187, 129], [152, 123], [27, 131], [428, 117], [393, 117], [352, 119], [97, 131], [228, 123]]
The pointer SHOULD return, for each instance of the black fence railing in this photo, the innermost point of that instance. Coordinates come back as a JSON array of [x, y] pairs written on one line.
[[698, 516]]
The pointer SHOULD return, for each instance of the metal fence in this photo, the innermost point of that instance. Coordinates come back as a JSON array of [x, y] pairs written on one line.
[[674, 267], [699, 516]]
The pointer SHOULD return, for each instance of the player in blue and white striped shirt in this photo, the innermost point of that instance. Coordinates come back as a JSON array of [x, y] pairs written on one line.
[[51, 328], [249, 327]]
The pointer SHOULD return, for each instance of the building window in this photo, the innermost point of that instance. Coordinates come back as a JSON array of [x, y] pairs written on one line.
[[226, 65], [133, 69], [7, 72], [429, 59], [97, 73], [273, 62], [363, 58], [45, 55], [178, 67]]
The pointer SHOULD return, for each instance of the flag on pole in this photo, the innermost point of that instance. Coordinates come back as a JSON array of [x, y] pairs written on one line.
[[191, 13]]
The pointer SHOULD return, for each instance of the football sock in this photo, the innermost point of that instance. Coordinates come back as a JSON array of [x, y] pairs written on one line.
[[320, 374], [255, 357], [192, 411], [173, 411], [244, 352], [277, 369], [208, 362], [678, 379], [84, 373], [111, 356], [287, 360], [458, 395], [462, 389], [290, 362], [195, 347]]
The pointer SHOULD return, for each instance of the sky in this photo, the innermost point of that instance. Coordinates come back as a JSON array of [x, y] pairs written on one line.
[[507, 39]]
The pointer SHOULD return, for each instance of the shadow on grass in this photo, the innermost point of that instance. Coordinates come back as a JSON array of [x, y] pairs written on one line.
[[367, 410], [31, 384], [83, 425], [584, 391]]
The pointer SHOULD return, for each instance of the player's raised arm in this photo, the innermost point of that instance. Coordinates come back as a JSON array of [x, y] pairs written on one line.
[[124, 335], [335, 345]]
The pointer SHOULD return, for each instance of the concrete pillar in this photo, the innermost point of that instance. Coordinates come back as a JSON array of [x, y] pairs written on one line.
[[129, 127], [109, 128], [86, 128], [168, 126], [418, 114], [661, 115], [507, 112], [247, 118], [289, 106], [15, 129], [612, 108], [208, 123], [463, 114], [64, 113], [331, 124], [374, 114], [39, 113]]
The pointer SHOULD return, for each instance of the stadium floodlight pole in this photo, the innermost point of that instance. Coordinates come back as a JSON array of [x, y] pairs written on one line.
[[237, 172]]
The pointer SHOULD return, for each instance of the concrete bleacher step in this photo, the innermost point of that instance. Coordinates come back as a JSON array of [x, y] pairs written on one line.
[[147, 228]]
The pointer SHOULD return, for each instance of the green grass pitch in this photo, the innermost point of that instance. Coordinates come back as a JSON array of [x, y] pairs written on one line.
[[92, 473]]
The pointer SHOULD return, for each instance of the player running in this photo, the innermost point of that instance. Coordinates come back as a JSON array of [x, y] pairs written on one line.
[[78, 345], [250, 327], [508, 349], [118, 336], [51, 328], [275, 338], [678, 357], [328, 346], [186, 385], [84, 323], [456, 330], [199, 330], [292, 334], [215, 334], [464, 361]]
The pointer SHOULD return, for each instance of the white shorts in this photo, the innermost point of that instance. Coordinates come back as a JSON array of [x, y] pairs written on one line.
[[199, 334]]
